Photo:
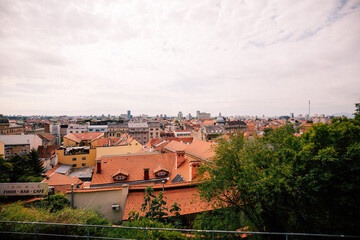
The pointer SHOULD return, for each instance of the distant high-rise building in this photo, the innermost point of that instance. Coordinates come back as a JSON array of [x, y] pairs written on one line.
[[291, 115], [128, 114], [197, 114], [203, 115], [180, 115], [189, 117]]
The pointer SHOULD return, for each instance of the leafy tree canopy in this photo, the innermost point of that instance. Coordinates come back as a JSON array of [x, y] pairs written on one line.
[[18, 168], [286, 183]]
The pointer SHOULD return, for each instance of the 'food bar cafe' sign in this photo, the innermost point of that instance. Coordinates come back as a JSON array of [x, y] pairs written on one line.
[[23, 189]]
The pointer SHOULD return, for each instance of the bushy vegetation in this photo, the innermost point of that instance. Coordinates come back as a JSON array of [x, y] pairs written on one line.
[[17, 212], [18, 168], [154, 209], [55, 209], [284, 183]]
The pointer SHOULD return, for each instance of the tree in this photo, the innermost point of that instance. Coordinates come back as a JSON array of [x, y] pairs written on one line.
[[35, 164], [357, 111], [22, 168], [5, 169], [154, 208], [286, 183]]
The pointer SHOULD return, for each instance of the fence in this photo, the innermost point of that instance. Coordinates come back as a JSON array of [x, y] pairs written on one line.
[[185, 233]]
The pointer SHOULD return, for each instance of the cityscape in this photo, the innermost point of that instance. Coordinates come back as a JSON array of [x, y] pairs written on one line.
[[206, 119]]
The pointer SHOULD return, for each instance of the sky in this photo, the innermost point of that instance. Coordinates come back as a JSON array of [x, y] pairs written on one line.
[[161, 57]]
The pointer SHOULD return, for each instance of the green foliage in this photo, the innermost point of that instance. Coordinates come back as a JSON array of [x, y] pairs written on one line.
[[154, 206], [154, 209], [35, 164], [230, 219], [141, 234], [286, 183], [17, 212], [5, 169], [357, 111], [22, 168], [55, 202]]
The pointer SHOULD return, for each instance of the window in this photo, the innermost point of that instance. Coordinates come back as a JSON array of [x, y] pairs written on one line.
[[120, 178], [74, 165], [7, 152], [83, 158], [84, 164], [74, 159], [161, 173]]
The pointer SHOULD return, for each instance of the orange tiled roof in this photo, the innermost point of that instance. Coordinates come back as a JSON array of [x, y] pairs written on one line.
[[78, 137], [105, 141], [48, 151], [134, 165], [60, 179], [48, 173], [201, 149], [47, 136], [174, 146], [188, 198]]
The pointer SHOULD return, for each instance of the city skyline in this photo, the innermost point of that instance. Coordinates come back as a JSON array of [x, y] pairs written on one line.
[[237, 58]]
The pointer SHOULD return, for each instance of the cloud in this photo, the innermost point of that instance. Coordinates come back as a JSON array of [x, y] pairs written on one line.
[[237, 57]]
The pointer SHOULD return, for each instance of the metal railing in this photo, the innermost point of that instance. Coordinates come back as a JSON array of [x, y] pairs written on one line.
[[187, 233]]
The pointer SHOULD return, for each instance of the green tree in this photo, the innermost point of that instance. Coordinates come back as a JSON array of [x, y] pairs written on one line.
[[286, 183], [18, 168], [154, 208], [357, 111], [35, 164], [5, 169]]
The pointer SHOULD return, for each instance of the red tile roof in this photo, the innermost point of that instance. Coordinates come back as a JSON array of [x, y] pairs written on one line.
[[188, 198], [48, 151], [134, 165], [174, 146], [105, 142], [78, 137], [46, 136], [201, 149], [60, 179]]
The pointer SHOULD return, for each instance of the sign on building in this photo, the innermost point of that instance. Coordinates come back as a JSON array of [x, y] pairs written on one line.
[[23, 189]]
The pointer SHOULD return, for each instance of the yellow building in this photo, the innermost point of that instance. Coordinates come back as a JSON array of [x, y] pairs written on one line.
[[77, 156], [111, 146]]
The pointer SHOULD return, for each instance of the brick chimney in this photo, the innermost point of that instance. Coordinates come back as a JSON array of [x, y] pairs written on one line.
[[193, 169], [179, 158], [98, 166], [146, 173]]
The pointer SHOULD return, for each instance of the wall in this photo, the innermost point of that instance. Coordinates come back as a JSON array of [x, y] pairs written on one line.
[[102, 201], [2, 149], [133, 147], [36, 142], [67, 159]]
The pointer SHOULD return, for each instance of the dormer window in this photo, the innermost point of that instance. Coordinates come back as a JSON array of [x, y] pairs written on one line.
[[121, 175], [160, 172], [120, 178]]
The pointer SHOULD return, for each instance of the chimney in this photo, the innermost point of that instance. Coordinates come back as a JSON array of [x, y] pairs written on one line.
[[179, 158], [98, 166], [193, 170], [146, 173]]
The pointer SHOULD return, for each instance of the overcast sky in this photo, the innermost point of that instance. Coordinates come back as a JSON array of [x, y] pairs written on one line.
[[235, 57]]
